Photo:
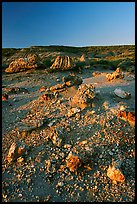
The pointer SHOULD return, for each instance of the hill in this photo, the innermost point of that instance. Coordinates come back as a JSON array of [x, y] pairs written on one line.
[[109, 57]]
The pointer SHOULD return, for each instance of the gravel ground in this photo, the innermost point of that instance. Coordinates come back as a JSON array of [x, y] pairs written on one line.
[[95, 134]]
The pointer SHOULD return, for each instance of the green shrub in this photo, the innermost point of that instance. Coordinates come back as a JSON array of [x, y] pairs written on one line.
[[80, 64], [126, 63], [47, 63]]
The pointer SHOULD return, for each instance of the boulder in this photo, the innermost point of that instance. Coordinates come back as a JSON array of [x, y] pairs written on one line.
[[62, 63], [114, 75], [121, 93], [21, 64], [84, 95]]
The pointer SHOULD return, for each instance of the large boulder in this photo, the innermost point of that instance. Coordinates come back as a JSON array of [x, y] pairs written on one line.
[[62, 63], [22, 64]]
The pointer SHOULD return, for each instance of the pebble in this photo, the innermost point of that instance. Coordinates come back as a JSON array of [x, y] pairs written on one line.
[[111, 153]]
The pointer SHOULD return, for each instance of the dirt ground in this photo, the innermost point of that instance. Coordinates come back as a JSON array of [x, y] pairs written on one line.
[[95, 134]]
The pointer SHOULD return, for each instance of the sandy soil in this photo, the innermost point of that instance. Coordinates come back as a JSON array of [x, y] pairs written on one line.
[[105, 134]]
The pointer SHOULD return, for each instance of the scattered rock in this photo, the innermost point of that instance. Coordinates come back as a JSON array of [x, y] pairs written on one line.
[[15, 90], [114, 173], [16, 151], [56, 137], [72, 112], [73, 162], [122, 94], [114, 75]]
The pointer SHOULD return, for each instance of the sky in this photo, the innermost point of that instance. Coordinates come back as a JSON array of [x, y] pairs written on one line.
[[78, 24]]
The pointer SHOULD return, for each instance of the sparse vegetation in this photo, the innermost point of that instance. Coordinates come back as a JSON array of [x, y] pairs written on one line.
[[106, 57]]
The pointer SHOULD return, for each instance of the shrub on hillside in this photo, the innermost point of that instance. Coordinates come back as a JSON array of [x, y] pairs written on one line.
[[126, 63], [47, 63], [80, 64]]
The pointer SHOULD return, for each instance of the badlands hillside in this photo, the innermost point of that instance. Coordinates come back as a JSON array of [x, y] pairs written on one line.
[[68, 124]]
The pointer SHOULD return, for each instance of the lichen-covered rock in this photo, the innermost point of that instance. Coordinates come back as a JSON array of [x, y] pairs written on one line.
[[21, 64], [114, 75], [114, 172], [16, 150], [73, 162], [71, 80], [121, 93], [62, 63], [84, 94]]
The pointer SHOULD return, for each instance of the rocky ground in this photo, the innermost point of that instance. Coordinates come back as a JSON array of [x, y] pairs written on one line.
[[50, 128]]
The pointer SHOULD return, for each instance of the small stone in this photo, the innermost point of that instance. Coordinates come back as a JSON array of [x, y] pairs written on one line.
[[111, 153], [57, 79], [60, 184], [100, 156]]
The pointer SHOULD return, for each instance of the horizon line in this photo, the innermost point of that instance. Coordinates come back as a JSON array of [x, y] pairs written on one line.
[[67, 46]]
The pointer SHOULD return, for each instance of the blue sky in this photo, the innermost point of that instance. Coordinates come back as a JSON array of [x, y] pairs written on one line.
[[26, 24]]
